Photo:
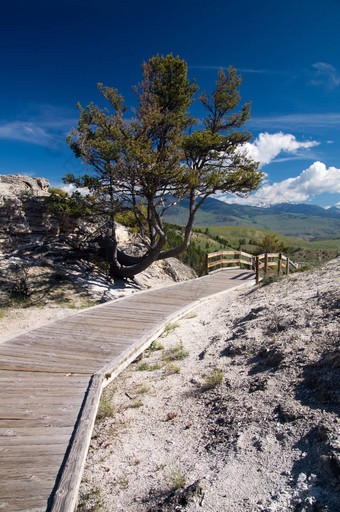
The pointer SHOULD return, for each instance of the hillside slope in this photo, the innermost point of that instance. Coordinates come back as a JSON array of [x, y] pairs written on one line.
[[265, 438], [303, 221]]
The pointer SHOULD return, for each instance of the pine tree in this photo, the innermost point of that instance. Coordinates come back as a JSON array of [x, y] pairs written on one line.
[[158, 157]]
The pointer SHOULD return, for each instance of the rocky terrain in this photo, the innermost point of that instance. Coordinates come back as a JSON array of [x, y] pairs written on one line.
[[234, 409], [26, 221], [42, 276], [23, 217]]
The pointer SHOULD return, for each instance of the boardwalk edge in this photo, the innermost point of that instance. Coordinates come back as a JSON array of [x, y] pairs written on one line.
[[65, 496]]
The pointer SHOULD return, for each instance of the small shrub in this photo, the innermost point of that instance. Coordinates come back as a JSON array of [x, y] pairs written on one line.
[[177, 478], [154, 367], [175, 353], [214, 379], [155, 345], [303, 268], [123, 482], [142, 389], [58, 192], [269, 279], [190, 315], [171, 368], [169, 328], [60, 276], [89, 303], [19, 288], [91, 501], [105, 408], [142, 367], [134, 404], [146, 367]]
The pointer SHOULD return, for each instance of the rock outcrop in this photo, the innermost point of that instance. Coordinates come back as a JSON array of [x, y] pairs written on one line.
[[23, 216], [29, 228], [17, 185]]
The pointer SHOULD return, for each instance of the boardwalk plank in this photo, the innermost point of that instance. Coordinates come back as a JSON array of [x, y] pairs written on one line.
[[46, 404], [34, 503]]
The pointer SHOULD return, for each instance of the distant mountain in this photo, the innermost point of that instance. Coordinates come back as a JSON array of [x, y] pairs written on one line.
[[334, 209], [306, 209], [309, 222]]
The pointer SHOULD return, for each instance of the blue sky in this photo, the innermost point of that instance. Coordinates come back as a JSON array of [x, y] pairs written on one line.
[[54, 53]]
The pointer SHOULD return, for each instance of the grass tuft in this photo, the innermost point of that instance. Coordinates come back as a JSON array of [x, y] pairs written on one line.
[[170, 327], [142, 389], [155, 345], [171, 369], [175, 353], [105, 408], [177, 478], [91, 501], [135, 404], [213, 380], [145, 367]]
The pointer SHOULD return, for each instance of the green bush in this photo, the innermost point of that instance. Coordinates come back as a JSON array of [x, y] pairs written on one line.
[[303, 268]]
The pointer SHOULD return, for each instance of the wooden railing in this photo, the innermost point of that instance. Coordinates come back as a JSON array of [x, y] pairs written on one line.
[[267, 263], [273, 262], [226, 258]]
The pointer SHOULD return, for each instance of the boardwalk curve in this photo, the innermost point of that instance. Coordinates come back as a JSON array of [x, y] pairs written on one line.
[[51, 380]]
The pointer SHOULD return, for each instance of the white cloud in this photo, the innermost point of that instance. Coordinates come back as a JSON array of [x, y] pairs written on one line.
[[315, 180], [267, 146], [325, 74], [70, 188], [46, 126], [291, 121], [24, 132]]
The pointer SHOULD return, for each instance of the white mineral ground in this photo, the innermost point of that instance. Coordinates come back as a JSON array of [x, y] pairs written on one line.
[[266, 439], [84, 287]]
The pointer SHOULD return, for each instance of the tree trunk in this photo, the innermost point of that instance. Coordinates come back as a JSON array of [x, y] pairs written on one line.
[[129, 266], [176, 251]]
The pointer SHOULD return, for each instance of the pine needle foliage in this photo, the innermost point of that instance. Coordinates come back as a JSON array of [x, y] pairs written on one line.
[[145, 161]]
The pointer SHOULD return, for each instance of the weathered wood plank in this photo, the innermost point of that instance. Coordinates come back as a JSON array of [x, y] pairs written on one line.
[[65, 497], [45, 373], [18, 452], [26, 431], [35, 503]]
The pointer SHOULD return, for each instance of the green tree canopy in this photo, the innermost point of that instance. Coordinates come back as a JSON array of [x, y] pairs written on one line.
[[271, 243], [160, 154]]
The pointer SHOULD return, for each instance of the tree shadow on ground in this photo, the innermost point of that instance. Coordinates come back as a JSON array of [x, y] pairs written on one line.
[[320, 384], [315, 475]]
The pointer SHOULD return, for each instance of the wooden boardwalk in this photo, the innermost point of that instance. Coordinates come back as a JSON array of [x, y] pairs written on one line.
[[51, 379]]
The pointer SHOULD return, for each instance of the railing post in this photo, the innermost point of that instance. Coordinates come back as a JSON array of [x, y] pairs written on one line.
[[279, 264], [221, 258], [287, 266], [257, 269], [266, 263], [206, 264]]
